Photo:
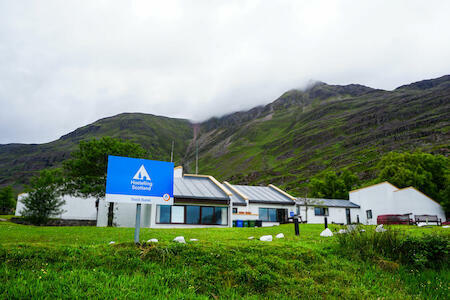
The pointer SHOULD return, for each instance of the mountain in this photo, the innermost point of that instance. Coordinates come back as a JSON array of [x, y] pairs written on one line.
[[20, 161], [300, 134]]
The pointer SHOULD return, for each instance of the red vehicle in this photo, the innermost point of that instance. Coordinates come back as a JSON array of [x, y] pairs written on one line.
[[394, 219]]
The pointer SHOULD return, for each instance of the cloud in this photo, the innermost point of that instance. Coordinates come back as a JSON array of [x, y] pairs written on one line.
[[64, 64]]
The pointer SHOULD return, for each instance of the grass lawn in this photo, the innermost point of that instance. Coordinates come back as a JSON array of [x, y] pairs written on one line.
[[79, 262]]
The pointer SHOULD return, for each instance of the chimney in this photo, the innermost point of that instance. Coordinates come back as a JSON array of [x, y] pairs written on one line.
[[178, 172]]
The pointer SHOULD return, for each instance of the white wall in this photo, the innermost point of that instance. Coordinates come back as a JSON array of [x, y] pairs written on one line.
[[409, 200], [74, 209], [335, 214], [376, 198]]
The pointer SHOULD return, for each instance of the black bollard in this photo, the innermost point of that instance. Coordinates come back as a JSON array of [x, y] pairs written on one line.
[[326, 223], [357, 219], [297, 230]]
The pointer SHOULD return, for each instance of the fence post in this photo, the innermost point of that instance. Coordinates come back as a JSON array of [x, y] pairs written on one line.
[[326, 223]]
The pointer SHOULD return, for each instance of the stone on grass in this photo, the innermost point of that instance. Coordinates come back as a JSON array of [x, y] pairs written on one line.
[[326, 232], [112, 242], [266, 238], [342, 231], [446, 226], [251, 237], [380, 228], [179, 239], [280, 236], [194, 240], [362, 230], [152, 241]]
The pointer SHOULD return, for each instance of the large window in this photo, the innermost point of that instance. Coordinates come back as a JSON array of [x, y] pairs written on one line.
[[191, 214], [177, 214], [268, 214], [321, 211]]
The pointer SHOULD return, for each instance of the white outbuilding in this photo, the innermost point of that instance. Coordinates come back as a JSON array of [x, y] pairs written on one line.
[[385, 198]]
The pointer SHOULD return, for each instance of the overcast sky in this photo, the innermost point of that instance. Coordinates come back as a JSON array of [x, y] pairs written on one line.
[[64, 64]]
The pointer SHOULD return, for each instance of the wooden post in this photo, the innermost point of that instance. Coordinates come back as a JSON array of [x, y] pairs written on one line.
[[297, 229], [326, 223]]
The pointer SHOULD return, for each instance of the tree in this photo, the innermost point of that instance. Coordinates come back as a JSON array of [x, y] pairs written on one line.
[[86, 171], [43, 201], [7, 200], [333, 185], [427, 172]]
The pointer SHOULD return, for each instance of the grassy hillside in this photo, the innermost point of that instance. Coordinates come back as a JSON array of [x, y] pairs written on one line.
[[19, 161], [300, 134], [327, 127], [78, 262]]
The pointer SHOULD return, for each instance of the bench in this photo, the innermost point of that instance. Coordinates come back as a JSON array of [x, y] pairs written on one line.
[[427, 219]]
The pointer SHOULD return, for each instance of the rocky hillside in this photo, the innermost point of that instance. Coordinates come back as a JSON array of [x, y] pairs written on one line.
[[285, 142], [325, 127]]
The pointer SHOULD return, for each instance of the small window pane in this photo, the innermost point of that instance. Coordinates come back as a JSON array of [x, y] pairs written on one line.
[[177, 214], [263, 214], [207, 215], [272, 215], [163, 212], [192, 214], [369, 214], [221, 215]]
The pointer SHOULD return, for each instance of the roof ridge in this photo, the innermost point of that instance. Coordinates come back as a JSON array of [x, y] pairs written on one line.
[[281, 192], [242, 195]]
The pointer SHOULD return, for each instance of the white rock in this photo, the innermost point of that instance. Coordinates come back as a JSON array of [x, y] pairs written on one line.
[[112, 242], [380, 228], [326, 232], [266, 238], [280, 236], [342, 231], [251, 237], [152, 241], [179, 239], [362, 230], [446, 226], [194, 240]]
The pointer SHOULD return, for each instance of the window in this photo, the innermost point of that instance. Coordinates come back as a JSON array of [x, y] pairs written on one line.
[[177, 214], [268, 214], [369, 214], [192, 214], [207, 215], [321, 211], [234, 210]]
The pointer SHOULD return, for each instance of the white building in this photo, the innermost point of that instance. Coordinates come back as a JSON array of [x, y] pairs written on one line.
[[335, 210], [385, 198], [74, 208]]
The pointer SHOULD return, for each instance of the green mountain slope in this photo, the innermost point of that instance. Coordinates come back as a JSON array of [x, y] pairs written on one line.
[[326, 127], [300, 134], [19, 161]]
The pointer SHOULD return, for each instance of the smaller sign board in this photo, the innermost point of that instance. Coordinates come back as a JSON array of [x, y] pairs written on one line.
[[134, 180], [291, 214]]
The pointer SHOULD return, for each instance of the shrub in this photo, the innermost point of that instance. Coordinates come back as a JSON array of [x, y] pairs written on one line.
[[425, 251]]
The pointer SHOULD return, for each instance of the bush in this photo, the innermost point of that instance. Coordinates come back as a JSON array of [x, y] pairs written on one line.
[[7, 201], [425, 251], [43, 200]]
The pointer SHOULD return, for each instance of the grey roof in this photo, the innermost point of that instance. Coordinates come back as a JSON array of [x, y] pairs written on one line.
[[260, 194], [197, 188], [327, 202]]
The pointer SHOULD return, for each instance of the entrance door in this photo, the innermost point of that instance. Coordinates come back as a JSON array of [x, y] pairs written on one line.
[[281, 215], [347, 212]]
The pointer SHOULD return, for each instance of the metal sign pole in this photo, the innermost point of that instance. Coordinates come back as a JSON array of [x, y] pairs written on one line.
[[138, 223]]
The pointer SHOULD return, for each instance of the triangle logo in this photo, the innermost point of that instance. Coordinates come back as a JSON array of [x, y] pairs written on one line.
[[142, 174]]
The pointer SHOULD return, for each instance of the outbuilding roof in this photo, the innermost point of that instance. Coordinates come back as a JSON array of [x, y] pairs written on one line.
[[199, 187], [327, 202], [259, 194]]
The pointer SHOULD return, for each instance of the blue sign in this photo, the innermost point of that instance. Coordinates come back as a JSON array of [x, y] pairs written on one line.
[[291, 214], [136, 180]]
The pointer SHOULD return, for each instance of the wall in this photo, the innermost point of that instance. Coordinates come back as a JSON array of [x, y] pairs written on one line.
[[253, 209], [377, 198], [335, 214], [409, 200], [74, 209]]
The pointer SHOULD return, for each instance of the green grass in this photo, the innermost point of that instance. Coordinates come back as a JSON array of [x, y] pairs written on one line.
[[78, 262]]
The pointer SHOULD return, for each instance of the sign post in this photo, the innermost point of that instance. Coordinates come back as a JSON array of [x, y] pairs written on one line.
[[139, 181]]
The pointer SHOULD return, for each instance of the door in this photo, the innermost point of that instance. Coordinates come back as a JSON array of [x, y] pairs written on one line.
[[347, 212], [281, 215]]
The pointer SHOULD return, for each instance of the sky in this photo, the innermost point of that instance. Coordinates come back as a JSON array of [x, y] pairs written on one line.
[[65, 64]]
